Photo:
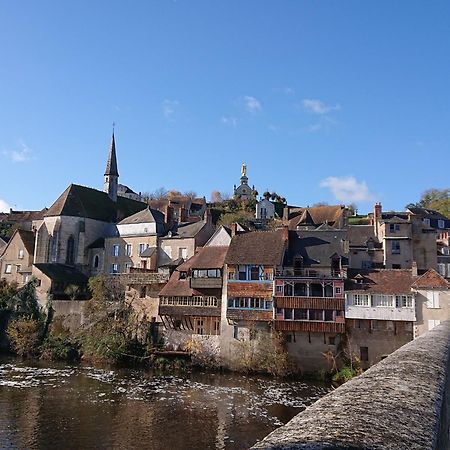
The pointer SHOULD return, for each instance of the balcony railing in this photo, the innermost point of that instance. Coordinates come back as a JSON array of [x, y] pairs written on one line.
[[206, 283], [309, 273], [313, 327], [332, 303]]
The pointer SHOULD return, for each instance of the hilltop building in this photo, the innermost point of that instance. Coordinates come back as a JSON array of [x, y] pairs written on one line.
[[243, 191]]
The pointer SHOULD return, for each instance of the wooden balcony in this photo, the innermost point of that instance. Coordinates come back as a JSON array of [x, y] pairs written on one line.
[[249, 289], [249, 314], [206, 283], [180, 311], [333, 303], [306, 326], [290, 273]]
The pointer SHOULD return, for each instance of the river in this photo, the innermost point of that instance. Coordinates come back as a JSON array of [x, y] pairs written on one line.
[[58, 406]]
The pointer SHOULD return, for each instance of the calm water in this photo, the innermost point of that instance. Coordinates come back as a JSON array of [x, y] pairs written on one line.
[[51, 406]]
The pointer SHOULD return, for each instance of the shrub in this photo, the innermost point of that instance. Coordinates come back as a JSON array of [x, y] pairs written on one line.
[[25, 335]]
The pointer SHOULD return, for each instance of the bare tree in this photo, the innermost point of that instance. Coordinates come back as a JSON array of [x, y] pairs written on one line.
[[216, 197]]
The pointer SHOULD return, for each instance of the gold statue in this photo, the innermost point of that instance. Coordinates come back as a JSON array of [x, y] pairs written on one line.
[[244, 170]]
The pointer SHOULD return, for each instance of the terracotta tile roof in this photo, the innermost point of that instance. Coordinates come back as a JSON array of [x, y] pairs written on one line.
[[257, 247], [82, 201], [383, 281], [317, 215], [431, 279], [206, 258]]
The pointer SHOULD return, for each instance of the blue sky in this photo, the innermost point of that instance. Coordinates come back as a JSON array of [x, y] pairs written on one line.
[[325, 101]]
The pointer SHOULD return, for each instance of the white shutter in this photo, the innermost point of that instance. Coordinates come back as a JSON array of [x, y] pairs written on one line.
[[429, 299]]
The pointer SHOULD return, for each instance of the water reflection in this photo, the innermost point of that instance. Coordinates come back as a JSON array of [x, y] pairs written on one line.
[[81, 407]]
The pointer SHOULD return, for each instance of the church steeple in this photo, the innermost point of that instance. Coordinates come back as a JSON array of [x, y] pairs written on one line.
[[111, 178]]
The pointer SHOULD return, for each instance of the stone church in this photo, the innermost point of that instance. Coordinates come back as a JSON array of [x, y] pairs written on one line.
[[244, 191]]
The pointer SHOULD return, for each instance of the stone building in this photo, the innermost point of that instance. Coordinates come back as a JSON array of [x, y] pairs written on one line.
[[309, 296], [379, 312], [16, 258], [247, 299], [432, 294], [265, 210]]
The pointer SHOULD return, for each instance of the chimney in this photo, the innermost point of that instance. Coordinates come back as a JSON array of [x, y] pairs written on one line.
[[285, 231], [377, 212], [233, 228], [208, 216], [286, 213], [414, 269]]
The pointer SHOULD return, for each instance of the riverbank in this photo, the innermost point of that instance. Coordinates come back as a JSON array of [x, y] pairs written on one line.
[[56, 405]]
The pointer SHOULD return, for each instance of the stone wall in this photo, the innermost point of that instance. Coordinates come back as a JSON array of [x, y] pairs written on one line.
[[403, 402], [72, 312]]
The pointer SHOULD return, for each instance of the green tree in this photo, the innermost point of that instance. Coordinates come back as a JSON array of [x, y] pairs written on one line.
[[437, 199]]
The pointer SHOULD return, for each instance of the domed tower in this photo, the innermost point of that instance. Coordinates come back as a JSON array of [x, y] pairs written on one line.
[[111, 179]]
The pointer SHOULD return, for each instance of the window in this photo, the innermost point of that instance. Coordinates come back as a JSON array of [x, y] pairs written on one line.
[[395, 247], [8, 268], [288, 314], [128, 249], [279, 289], [328, 315], [300, 314], [366, 264], [143, 292], [96, 262], [441, 223], [70, 255], [115, 250], [127, 267], [426, 222], [445, 250], [396, 266], [338, 290], [235, 332], [381, 300], [374, 325], [182, 253], [364, 353], [199, 326], [20, 255], [18, 267], [432, 299], [360, 300], [114, 268], [316, 314], [403, 301], [394, 227], [254, 273], [242, 273]]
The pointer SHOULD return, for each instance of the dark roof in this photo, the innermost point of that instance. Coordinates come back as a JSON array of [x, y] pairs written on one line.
[[257, 247], [383, 281], [188, 230], [316, 247], [148, 252], [206, 258], [98, 243], [24, 216], [147, 215], [317, 215], [111, 165], [358, 235], [81, 201], [431, 279], [61, 272], [428, 213]]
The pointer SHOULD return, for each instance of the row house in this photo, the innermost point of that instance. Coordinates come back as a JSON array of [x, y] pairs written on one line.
[[309, 294], [380, 312], [190, 303], [251, 263]]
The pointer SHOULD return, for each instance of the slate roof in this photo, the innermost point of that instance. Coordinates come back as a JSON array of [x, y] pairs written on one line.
[[358, 235], [317, 215], [316, 247], [188, 230], [147, 215], [431, 280], [23, 216], [257, 247], [111, 164], [206, 258], [383, 281], [148, 252], [98, 243], [82, 201], [63, 273], [428, 213]]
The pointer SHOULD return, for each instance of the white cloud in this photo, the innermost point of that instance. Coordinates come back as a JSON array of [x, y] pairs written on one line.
[[347, 189], [20, 155], [229, 120], [318, 107], [169, 108], [4, 207], [252, 105]]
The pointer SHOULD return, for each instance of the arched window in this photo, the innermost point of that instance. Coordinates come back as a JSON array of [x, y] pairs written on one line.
[[70, 258], [96, 261]]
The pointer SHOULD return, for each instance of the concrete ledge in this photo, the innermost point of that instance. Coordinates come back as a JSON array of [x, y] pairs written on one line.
[[401, 403]]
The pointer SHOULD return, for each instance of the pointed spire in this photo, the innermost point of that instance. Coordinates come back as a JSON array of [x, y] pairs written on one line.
[[111, 165]]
